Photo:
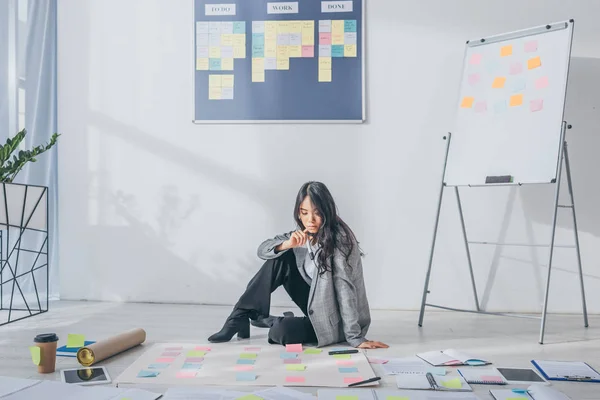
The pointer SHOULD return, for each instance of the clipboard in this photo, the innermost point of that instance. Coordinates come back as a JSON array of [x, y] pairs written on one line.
[[592, 376]]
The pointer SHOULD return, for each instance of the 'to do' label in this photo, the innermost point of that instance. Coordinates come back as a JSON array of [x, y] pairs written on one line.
[[219, 9]]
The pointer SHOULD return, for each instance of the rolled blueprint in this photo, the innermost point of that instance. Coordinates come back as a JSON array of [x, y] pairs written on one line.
[[104, 349]]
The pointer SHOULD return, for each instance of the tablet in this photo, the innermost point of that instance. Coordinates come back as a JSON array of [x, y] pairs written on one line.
[[521, 376], [85, 376]]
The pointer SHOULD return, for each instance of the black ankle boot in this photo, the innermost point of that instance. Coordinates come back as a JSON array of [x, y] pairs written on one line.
[[268, 322], [238, 322]]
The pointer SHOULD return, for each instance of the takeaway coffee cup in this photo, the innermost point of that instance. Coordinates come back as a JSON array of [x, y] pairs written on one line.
[[47, 343]]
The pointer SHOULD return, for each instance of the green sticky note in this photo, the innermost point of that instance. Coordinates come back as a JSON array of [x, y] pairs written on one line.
[[342, 356], [75, 340], [36, 356], [345, 397], [312, 351], [452, 383], [250, 397], [248, 355], [196, 353], [397, 398], [295, 367]]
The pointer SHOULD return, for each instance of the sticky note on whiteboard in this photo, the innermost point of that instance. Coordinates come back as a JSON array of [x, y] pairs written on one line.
[[505, 51], [516, 100], [535, 62], [536, 105], [467, 102]]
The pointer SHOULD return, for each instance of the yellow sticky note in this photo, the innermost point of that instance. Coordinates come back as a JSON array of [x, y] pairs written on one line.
[[499, 82], [249, 397], [214, 80], [196, 353], [452, 383], [227, 81], [215, 93], [337, 27], [248, 356], [325, 76], [283, 27], [239, 51], [74, 340], [227, 64], [296, 27], [295, 367], [271, 49], [350, 50], [283, 64], [505, 51], [202, 64], [346, 397], [516, 100], [308, 38], [308, 26], [324, 63], [258, 77], [238, 39], [337, 38], [271, 29], [214, 52], [258, 65], [227, 39], [295, 51], [312, 350], [36, 355], [342, 356], [467, 102], [534, 62], [283, 52]]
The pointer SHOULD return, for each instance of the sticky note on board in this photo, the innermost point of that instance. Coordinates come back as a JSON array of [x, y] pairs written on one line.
[[158, 366], [325, 75], [246, 361], [214, 93], [283, 64], [295, 367], [165, 360], [481, 106], [312, 350], [293, 348], [227, 39], [239, 52], [337, 50], [337, 39], [186, 374], [227, 82], [452, 383], [346, 397], [245, 376], [248, 356], [243, 367], [214, 52], [533, 63], [353, 380], [258, 77], [347, 370], [531, 46], [295, 379], [214, 64], [75, 340], [227, 64], [350, 50], [474, 79], [239, 40], [344, 362], [308, 51], [516, 100], [350, 25], [506, 50], [250, 397], [292, 361], [191, 366], [147, 374], [258, 65], [337, 27], [195, 359], [202, 64], [541, 82], [475, 59], [499, 82], [467, 102], [536, 105], [285, 354], [36, 355], [239, 27], [295, 51], [516, 68], [170, 354], [197, 353], [325, 38]]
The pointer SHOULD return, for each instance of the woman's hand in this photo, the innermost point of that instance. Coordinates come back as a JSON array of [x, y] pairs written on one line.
[[297, 239], [369, 344]]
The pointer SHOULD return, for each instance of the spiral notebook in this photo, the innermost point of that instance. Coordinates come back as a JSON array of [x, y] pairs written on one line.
[[487, 376]]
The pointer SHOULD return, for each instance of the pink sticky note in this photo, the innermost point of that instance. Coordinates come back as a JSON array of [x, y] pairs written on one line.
[[541, 82], [536, 105], [480, 106], [531, 46], [173, 348], [308, 51], [516, 68], [344, 362], [170, 354], [243, 367], [491, 379], [202, 348], [325, 38], [292, 361], [293, 348], [475, 59], [474, 78], [353, 380], [165, 360], [186, 374], [294, 379], [194, 359], [377, 361], [252, 349]]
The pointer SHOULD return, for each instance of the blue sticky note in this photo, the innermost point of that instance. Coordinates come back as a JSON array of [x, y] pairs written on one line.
[[158, 366], [437, 371], [500, 106], [245, 376], [239, 27], [339, 349], [348, 370], [214, 64], [147, 374], [258, 39], [350, 25], [337, 50], [245, 361], [191, 366], [258, 50], [285, 354], [519, 84], [520, 391]]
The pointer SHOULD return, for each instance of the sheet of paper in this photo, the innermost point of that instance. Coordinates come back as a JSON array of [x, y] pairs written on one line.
[[345, 394], [413, 382], [12, 385], [546, 393], [36, 355], [507, 394], [283, 393], [560, 369], [411, 366], [183, 393], [75, 340]]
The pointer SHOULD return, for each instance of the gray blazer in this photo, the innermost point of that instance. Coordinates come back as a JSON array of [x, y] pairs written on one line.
[[337, 302]]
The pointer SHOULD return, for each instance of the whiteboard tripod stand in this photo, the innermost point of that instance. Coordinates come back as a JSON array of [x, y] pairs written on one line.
[[563, 157]]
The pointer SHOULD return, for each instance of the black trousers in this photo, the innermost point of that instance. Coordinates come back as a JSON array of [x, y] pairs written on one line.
[[280, 271]]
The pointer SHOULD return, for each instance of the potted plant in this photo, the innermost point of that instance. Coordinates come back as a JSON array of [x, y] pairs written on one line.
[[10, 168]]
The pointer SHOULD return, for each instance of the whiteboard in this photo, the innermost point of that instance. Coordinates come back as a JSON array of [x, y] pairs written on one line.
[[511, 107]]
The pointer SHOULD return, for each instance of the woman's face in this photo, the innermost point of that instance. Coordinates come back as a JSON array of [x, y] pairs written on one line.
[[310, 216]]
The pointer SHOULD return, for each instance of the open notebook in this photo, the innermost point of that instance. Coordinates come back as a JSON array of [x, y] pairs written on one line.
[[482, 376], [433, 382], [535, 392], [451, 357]]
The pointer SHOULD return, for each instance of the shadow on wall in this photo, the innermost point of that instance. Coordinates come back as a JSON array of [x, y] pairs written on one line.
[[583, 112]]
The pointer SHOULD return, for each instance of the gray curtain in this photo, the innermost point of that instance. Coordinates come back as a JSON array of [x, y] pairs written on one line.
[[35, 25]]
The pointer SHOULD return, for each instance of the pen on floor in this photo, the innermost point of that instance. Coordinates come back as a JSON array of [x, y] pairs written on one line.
[[363, 382]]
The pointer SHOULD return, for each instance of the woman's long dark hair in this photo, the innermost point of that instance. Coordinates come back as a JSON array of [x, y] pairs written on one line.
[[334, 232]]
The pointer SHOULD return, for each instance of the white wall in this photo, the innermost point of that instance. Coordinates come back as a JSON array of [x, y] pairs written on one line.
[[155, 208]]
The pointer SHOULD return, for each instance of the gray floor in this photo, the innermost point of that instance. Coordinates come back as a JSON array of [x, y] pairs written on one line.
[[504, 341]]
